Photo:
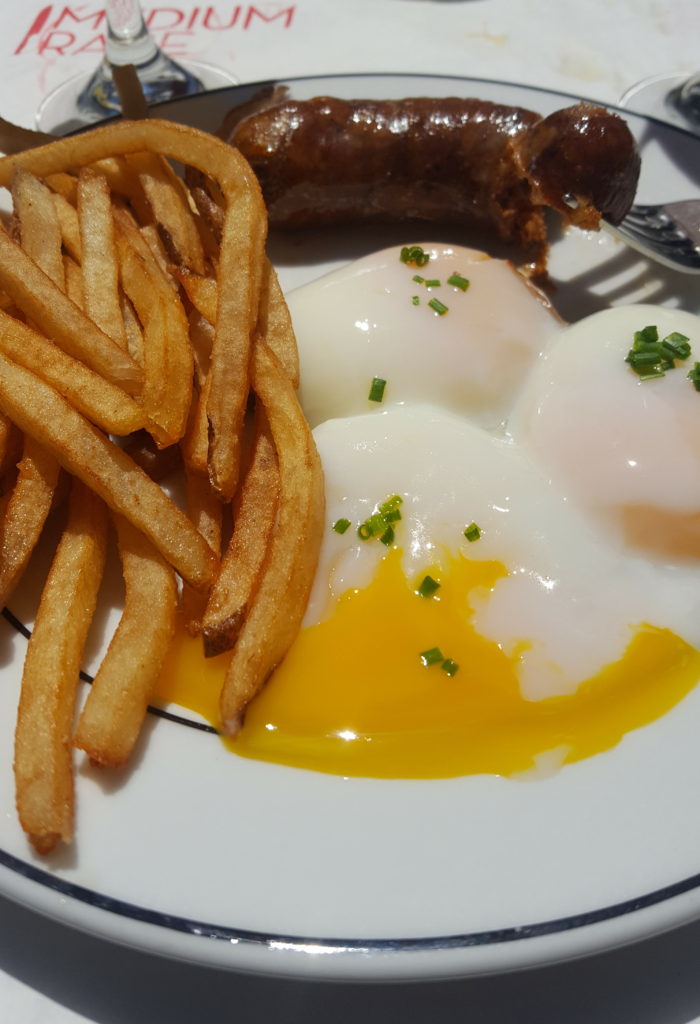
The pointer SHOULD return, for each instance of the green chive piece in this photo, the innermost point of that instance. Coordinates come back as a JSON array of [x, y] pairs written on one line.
[[646, 335], [376, 524], [432, 284], [472, 532], [678, 343], [428, 587], [414, 254], [449, 667], [341, 525], [387, 537], [649, 357], [415, 300], [376, 391], [694, 376], [644, 357], [391, 504], [379, 524], [439, 307], [431, 657], [457, 281], [418, 279]]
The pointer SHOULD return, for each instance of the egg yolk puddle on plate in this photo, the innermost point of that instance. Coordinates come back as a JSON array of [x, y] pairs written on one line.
[[353, 697]]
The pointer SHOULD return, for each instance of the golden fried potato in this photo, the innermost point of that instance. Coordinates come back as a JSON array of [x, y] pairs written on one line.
[[115, 707], [278, 605], [86, 453], [27, 509], [46, 305], [242, 563], [43, 759], [99, 256]]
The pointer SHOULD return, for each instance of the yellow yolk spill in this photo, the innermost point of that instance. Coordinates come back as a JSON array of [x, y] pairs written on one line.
[[353, 698]]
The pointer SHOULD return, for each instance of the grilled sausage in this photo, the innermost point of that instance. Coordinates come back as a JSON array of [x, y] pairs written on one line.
[[466, 161]]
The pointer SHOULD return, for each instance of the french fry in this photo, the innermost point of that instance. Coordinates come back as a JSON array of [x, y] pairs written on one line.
[[43, 758], [115, 707], [275, 324], [206, 512], [171, 210], [103, 403], [274, 321], [242, 563], [26, 513], [65, 185], [86, 453], [39, 229], [167, 354], [278, 604], [195, 444], [47, 306], [123, 182], [10, 445], [134, 332], [70, 226], [201, 291], [74, 281], [99, 256], [239, 271]]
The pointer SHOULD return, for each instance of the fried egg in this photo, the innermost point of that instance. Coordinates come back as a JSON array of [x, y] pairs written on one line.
[[374, 318], [483, 600]]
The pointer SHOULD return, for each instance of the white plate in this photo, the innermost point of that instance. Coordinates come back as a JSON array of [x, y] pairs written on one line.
[[201, 855]]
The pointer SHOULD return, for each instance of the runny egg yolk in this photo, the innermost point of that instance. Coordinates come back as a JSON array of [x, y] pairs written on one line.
[[353, 696]]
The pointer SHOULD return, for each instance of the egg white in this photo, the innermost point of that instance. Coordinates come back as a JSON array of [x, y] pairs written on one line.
[[372, 319]]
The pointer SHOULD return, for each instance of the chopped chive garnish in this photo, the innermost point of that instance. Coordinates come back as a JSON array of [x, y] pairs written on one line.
[[449, 667], [428, 587], [418, 279], [645, 357], [376, 391], [694, 376], [415, 300], [414, 254], [388, 536], [649, 357], [391, 504], [679, 344], [646, 336], [457, 281], [432, 284], [379, 524], [439, 307], [341, 525], [472, 532], [376, 524], [432, 657]]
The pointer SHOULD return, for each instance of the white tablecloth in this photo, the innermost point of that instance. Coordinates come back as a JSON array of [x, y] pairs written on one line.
[[594, 48]]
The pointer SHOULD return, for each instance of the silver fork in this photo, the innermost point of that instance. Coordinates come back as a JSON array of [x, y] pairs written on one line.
[[668, 233]]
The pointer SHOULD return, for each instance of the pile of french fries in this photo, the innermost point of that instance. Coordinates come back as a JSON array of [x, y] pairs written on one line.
[[143, 334]]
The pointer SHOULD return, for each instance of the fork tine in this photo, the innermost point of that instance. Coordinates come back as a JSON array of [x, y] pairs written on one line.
[[668, 234]]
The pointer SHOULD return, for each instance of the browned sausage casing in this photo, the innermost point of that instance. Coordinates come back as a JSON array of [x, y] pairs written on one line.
[[329, 161]]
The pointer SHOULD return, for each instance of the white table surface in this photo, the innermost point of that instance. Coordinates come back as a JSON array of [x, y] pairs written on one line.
[[594, 48]]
